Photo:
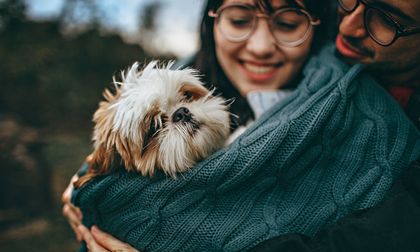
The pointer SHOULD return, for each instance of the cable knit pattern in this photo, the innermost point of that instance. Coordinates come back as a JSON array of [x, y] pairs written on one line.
[[333, 146]]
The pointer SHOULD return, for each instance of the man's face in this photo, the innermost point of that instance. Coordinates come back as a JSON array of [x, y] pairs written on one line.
[[355, 44]]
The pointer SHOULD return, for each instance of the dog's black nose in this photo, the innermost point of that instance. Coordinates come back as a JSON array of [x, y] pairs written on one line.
[[181, 114]]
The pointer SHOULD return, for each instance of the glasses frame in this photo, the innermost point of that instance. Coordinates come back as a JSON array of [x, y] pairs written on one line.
[[400, 31], [257, 14]]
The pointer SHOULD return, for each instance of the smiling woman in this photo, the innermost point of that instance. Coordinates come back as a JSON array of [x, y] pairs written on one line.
[[269, 59], [264, 49]]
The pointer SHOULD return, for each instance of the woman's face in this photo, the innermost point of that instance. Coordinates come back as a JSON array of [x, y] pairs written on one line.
[[259, 63]]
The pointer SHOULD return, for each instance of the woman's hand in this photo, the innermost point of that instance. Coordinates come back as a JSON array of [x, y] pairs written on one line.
[[71, 212], [96, 240], [99, 241]]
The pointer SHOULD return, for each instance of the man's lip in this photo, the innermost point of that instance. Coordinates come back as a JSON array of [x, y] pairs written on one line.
[[347, 49]]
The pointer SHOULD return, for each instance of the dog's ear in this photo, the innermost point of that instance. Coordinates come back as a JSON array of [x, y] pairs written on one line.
[[100, 162], [104, 156]]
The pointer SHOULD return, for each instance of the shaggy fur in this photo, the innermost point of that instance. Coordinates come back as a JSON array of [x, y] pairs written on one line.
[[157, 118]]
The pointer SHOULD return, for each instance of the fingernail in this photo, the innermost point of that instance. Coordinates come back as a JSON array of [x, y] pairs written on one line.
[[95, 229]]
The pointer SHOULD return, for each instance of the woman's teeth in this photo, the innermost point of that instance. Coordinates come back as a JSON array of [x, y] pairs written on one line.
[[258, 69]]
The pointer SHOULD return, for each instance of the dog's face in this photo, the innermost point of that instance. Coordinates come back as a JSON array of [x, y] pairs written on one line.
[[158, 118]]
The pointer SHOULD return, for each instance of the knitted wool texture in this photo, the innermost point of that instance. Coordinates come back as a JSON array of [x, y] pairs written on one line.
[[334, 146]]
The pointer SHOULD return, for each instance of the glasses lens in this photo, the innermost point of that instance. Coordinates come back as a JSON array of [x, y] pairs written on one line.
[[290, 26], [348, 5], [380, 27], [236, 22]]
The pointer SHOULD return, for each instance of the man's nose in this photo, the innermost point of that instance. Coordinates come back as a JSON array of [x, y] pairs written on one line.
[[352, 24], [262, 43]]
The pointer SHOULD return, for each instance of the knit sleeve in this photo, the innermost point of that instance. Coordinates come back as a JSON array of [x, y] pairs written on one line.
[[334, 146]]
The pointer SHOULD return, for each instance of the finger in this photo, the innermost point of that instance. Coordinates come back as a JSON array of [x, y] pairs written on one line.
[[90, 241], [76, 211], [109, 242], [74, 219], [72, 214], [66, 197], [76, 231]]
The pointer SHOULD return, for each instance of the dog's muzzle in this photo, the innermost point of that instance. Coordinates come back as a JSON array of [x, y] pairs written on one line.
[[185, 117], [182, 115]]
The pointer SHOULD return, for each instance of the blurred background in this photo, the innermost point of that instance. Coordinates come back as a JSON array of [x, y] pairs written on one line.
[[56, 57]]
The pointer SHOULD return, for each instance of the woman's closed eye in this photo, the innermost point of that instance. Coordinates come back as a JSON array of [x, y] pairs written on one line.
[[280, 24], [240, 22]]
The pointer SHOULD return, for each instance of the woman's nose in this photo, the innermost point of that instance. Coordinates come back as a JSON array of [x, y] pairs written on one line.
[[352, 24], [261, 43]]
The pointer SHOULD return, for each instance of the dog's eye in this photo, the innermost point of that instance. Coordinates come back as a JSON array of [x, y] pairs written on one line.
[[192, 92], [153, 128], [188, 96], [156, 124]]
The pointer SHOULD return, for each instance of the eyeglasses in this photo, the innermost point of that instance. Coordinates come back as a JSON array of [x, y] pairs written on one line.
[[381, 26], [289, 26]]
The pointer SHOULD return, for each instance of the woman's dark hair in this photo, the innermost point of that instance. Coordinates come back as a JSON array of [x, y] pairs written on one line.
[[213, 74]]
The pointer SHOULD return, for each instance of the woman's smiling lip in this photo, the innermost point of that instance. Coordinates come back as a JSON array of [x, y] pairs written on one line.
[[259, 72]]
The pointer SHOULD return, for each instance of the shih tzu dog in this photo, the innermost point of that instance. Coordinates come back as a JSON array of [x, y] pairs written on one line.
[[157, 118]]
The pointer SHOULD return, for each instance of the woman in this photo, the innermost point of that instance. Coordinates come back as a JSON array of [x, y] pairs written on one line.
[[254, 54], [237, 60], [249, 46]]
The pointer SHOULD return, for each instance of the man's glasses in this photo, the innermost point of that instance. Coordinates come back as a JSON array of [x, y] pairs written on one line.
[[381, 26], [289, 26]]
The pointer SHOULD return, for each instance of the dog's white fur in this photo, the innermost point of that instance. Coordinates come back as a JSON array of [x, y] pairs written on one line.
[[137, 122]]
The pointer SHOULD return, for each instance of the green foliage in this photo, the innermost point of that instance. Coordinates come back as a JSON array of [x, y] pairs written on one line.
[[50, 80], [11, 10]]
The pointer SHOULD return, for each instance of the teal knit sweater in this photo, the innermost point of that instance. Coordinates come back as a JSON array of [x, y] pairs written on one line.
[[333, 146]]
